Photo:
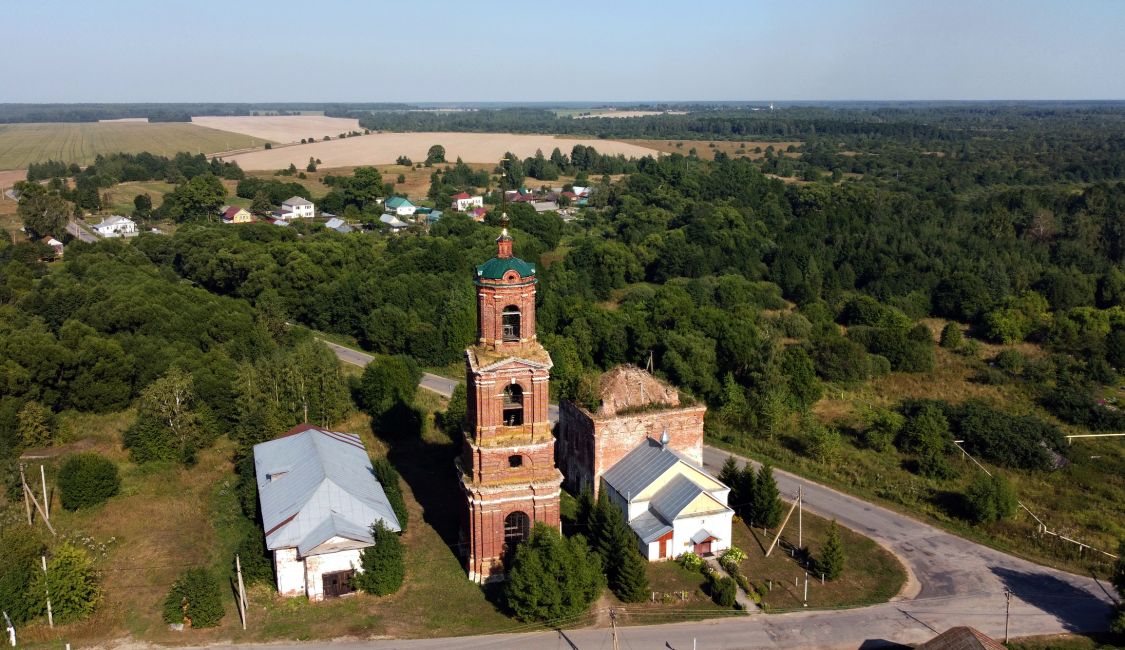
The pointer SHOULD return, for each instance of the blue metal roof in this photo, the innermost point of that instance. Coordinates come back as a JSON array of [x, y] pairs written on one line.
[[315, 484]]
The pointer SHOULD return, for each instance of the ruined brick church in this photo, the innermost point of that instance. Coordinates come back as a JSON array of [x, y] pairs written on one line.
[[641, 444]]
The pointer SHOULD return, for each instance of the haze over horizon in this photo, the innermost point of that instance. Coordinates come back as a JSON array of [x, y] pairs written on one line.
[[717, 50]]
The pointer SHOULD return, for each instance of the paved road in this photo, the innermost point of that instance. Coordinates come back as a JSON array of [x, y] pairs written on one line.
[[952, 582], [81, 233]]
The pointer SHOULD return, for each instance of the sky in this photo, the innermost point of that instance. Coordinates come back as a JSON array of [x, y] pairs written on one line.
[[578, 50]]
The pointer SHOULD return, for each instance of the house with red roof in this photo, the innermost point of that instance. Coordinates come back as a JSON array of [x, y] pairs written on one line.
[[464, 201], [235, 214]]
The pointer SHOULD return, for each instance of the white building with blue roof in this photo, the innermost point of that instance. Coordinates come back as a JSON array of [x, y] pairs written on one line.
[[319, 499], [672, 504]]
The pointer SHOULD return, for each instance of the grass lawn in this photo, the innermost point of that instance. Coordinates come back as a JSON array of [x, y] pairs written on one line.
[[871, 573], [1068, 642]]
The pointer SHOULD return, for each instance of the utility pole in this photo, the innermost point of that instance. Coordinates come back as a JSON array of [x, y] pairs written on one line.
[[46, 586], [806, 603], [613, 625], [26, 501], [11, 630], [46, 501], [800, 517], [241, 591], [1007, 612]]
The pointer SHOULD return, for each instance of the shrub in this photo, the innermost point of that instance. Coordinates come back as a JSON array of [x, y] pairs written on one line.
[[194, 600], [22, 548], [35, 424], [723, 591], [257, 565], [383, 565], [86, 480], [1020, 441], [990, 498], [389, 479], [951, 338], [690, 561], [1010, 360], [883, 426], [72, 583]]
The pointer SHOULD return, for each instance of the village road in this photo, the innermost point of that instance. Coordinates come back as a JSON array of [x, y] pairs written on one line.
[[952, 582]]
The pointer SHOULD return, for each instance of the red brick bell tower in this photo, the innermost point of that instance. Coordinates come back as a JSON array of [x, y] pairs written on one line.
[[507, 466]]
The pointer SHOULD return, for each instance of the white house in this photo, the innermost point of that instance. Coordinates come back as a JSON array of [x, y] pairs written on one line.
[[463, 201], [319, 499], [400, 206], [116, 226], [672, 504], [298, 208], [394, 223]]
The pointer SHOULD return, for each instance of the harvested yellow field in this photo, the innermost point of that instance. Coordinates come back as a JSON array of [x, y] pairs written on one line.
[[385, 148], [80, 143], [9, 178], [281, 128]]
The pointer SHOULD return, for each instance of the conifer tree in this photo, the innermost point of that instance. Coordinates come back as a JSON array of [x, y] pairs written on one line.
[[744, 494], [767, 498], [552, 576], [831, 561], [729, 474], [383, 567], [389, 479], [617, 544]]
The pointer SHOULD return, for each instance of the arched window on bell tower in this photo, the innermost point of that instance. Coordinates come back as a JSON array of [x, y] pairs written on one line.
[[513, 405], [511, 324]]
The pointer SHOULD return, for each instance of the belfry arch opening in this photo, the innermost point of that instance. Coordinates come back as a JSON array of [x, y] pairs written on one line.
[[510, 321], [513, 405], [517, 526]]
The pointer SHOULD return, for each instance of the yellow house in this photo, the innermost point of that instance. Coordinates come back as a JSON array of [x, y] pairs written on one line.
[[235, 214], [672, 504]]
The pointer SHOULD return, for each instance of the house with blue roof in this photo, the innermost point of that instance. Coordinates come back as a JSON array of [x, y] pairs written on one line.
[[319, 499], [400, 206]]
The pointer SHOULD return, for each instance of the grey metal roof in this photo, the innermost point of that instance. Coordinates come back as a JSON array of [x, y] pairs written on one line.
[[678, 494], [315, 484], [297, 200], [649, 526], [334, 222], [345, 229], [702, 536], [639, 468]]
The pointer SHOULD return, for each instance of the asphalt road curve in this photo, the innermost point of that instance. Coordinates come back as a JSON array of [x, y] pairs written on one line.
[[952, 581]]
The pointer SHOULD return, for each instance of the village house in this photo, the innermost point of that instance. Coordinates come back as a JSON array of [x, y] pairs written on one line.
[[646, 448], [54, 244], [116, 226], [339, 225], [319, 499], [296, 207], [395, 224], [464, 201], [235, 214], [400, 206]]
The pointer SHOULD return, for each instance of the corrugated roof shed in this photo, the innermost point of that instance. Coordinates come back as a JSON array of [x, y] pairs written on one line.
[[680, 492], [315, 484]]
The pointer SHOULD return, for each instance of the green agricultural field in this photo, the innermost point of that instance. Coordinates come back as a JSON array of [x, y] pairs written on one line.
[[21, 144]]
